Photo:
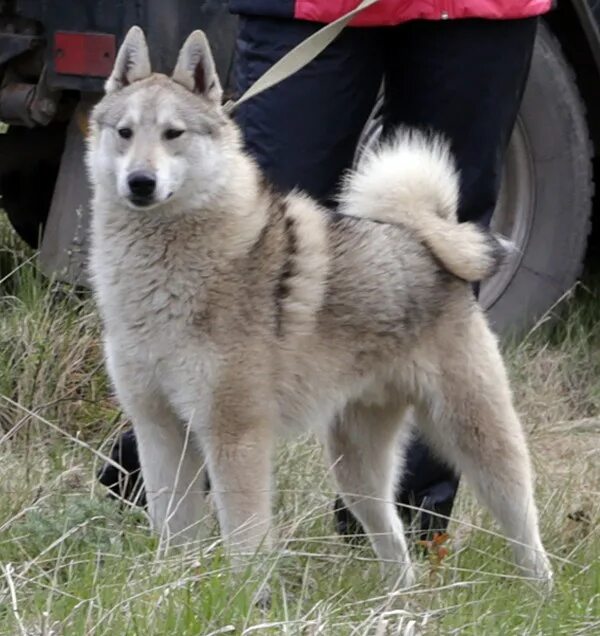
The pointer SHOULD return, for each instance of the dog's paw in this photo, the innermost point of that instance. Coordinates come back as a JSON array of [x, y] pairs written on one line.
[[408, 576], [400, 575], [544, 575], [538, 568]]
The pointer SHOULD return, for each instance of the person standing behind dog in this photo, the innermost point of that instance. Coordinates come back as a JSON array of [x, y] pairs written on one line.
[[456, 67]]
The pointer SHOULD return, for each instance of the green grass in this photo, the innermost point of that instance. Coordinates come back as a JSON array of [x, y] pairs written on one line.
[[74, 563]]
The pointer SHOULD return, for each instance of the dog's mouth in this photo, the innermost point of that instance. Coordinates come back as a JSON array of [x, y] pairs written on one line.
[[142, 203]]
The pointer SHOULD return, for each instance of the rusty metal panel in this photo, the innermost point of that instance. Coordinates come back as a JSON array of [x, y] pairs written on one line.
[[65, 241]]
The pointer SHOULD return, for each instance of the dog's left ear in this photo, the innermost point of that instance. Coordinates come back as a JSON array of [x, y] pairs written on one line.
[[195, 68]]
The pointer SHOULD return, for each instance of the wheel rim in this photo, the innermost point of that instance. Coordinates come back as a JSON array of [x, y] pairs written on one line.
[[513, 215], [514, 211]]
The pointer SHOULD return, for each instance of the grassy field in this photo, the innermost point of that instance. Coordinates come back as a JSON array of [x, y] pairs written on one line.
[[74, 563]]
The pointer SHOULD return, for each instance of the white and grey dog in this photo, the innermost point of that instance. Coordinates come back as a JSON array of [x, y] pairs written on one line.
[[231, 312]]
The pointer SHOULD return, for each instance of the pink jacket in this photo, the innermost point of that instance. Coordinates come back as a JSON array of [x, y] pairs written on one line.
[[390, 12]]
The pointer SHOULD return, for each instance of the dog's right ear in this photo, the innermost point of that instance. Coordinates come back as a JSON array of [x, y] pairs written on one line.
[[132, 63]]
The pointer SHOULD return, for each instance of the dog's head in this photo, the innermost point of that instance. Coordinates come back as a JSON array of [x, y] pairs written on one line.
[[156, 139]]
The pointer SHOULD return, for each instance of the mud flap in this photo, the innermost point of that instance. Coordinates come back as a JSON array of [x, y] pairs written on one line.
[[65, 241]]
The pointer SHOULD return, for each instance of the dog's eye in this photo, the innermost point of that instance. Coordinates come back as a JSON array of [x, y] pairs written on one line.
[[125, 133], [173, 133]]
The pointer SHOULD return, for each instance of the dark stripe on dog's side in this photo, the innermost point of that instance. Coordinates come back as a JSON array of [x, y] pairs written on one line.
[[282, 289], [260, 240]]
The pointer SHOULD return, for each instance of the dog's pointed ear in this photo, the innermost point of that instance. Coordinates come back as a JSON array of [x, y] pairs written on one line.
[[195, 68], [132, 63]]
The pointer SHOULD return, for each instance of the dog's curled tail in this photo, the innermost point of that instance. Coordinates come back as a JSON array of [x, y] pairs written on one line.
[[412, 181]]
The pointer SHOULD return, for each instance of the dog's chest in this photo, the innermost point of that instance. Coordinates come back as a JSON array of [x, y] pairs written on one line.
[[154, 344], [149, 302]]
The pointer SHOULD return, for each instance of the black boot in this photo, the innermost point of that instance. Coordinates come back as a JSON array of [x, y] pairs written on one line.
[[427, 483], [127, 485]]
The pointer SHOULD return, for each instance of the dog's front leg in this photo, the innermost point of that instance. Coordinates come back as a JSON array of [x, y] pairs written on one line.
[[237, 444], [172, 467]]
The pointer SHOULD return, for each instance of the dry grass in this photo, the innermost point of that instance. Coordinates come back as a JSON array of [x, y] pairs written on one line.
[[74, 563]]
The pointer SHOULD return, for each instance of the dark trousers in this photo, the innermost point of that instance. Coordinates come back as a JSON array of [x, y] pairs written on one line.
[[462, 78]]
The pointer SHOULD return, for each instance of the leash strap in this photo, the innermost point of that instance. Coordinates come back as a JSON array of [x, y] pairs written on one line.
[[299, 56]]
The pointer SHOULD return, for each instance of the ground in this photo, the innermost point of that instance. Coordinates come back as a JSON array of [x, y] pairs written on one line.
[[74, 563]]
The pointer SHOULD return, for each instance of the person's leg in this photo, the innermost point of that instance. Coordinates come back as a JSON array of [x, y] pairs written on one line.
[[464, 79], [304, 131]]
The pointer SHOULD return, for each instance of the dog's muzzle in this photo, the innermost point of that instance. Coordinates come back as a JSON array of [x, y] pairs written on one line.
[[142, 188]]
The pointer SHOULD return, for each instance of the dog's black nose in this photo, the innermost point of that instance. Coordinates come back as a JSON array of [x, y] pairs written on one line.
[[142, 185]]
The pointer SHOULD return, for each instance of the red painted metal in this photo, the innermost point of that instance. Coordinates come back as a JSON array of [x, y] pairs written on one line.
[[91, 54]]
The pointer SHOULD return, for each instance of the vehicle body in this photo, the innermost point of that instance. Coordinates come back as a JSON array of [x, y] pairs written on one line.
[[55, 56]]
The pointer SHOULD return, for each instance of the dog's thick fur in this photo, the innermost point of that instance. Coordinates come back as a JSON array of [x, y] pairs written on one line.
[[231, 312]]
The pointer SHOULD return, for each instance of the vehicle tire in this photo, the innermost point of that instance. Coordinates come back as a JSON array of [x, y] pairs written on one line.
[[545, 201], [27, 181]]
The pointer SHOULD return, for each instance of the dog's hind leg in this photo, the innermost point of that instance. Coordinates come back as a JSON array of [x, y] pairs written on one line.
[[468, 415], [365, 446]]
